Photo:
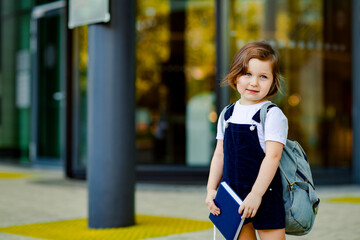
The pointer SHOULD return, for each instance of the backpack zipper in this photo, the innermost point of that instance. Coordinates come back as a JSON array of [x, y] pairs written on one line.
[[304, 178]]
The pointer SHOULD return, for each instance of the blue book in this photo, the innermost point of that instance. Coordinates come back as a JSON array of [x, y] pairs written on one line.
[[229, 222]]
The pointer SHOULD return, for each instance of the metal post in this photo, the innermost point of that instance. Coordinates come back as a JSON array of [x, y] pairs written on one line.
[[222, 52], [34, 90], [111, 118], [270, 19], [356, 88]]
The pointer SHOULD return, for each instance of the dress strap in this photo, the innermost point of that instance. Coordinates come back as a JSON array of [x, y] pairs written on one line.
[[256, 117]]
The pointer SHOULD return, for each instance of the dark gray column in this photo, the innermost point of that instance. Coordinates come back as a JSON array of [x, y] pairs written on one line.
[[111, 118], [356, 88], [222, 52], [270, 19]]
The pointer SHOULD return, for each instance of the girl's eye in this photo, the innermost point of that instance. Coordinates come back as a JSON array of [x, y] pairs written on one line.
[[263, 76], [248, 74]]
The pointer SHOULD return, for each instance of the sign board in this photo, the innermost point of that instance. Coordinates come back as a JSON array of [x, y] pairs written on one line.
[[83, 12]]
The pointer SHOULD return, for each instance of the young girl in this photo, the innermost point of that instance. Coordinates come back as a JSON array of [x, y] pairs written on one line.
[[246, 157]]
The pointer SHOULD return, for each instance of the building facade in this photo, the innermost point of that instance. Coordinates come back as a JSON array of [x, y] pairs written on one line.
[[183, 49]]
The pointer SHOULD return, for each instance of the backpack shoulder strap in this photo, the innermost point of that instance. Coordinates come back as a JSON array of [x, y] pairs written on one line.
[[229, 111], [226, 114], [263, 112]]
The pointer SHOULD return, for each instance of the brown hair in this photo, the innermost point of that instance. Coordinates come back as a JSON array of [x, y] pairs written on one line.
[[259, 50]]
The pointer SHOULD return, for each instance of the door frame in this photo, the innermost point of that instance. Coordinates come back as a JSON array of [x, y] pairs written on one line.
[[40, 12]]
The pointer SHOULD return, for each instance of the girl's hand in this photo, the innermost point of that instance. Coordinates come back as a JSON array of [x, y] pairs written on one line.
[[250, 205], [209, 201]]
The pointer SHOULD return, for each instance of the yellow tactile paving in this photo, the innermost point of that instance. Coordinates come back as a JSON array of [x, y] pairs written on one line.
[[355, 200], [12, 175], [146, 227]]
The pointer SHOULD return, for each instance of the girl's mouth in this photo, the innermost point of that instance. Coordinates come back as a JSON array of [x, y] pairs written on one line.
[[252, 91]]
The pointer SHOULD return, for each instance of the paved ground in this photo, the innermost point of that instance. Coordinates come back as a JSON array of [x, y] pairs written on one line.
[[44, 195]]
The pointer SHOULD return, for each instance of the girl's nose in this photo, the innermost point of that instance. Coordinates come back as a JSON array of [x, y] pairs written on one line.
[[253, 81]]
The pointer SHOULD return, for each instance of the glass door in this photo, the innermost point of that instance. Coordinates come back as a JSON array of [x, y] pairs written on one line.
[[48, 84]]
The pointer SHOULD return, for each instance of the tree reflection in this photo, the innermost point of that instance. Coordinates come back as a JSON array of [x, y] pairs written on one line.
[[152, 47]]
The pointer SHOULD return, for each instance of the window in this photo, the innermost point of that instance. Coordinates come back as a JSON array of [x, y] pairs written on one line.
[[175, 82], [313, 38]]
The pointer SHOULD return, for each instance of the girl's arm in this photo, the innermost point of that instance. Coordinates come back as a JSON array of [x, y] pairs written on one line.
[[215, 175], [268, 168]]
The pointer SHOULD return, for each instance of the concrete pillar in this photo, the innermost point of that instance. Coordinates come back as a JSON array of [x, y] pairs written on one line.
[[356, 88], [111, 118]]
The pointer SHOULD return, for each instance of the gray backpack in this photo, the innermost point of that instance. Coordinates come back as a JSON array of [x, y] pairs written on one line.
[[301, 202]]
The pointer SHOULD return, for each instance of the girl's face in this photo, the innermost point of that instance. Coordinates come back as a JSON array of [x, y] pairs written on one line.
[[256, 83]]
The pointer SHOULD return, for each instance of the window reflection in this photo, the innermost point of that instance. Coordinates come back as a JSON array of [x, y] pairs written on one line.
[[175, 82], [79, 84], [175, 54], [313, 38]]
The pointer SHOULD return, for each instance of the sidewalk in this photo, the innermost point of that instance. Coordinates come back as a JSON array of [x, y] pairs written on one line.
[[30, 196]]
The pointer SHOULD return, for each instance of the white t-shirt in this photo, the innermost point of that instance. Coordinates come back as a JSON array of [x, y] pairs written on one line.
[[276, 123]]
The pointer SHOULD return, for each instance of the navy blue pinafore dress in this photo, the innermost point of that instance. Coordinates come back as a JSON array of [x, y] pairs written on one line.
[[243, 156]]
